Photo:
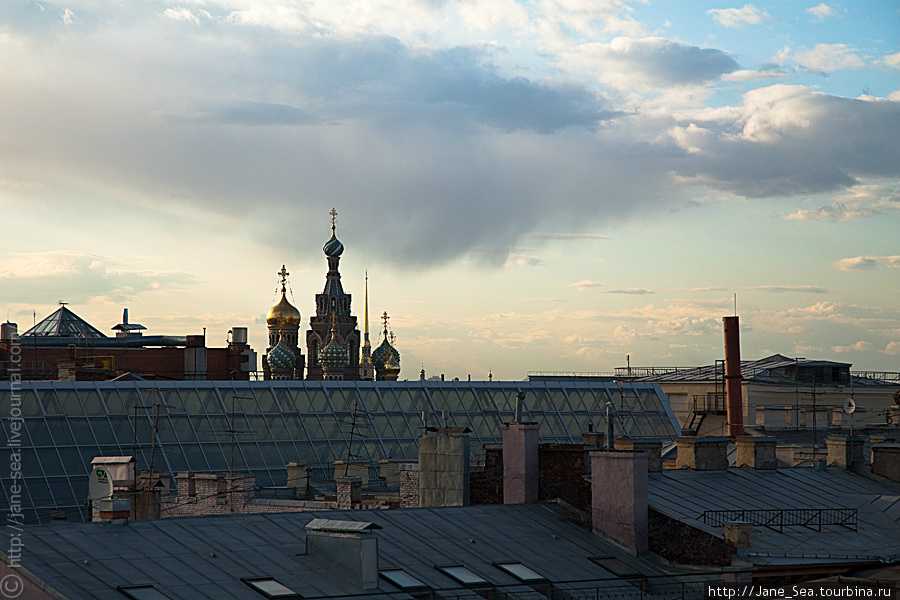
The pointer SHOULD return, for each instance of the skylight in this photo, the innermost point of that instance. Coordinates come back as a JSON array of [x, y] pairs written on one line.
[[143, 592], [462, 575], [270, 588], [615, 566], [402, 579], [520, 572]]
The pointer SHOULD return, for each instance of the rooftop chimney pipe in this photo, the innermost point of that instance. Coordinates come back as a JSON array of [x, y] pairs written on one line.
[[733, 377]]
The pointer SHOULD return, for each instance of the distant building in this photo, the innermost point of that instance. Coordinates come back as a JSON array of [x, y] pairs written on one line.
[[65, 347]]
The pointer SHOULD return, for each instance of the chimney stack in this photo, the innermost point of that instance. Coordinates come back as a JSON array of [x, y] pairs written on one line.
[[652, 447], [444, 467], [619, 497], [702, 453], [845, 451], [520, 462], [756, 452], [733, 377], [348, 547]]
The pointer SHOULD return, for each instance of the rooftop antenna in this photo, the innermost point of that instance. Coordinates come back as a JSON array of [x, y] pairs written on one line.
[[354, 430], [735, 304]]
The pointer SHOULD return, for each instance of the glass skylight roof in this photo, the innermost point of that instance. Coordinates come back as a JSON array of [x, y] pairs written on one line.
[[463, 575], [64, 323], [402, 579], [520, 571], [67, 424], [145, 592], [270, 588]]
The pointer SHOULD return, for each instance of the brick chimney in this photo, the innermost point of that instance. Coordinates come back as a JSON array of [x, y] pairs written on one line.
[[349, 492], [845, 451], [298, 478], [652, 447], [444, 467], [886, 461], [756, 452], [702, 453], [733, 377], [114, 510], [347, 547], [619, 497], [520, 462]]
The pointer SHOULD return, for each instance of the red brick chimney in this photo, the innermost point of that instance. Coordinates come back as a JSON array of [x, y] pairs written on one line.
[[733, 377]]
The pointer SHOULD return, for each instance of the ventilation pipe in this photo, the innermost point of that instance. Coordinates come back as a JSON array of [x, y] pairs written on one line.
[[733, 377]]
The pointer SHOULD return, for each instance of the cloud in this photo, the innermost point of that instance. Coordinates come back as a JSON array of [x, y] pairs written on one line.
[[566, 236], [827, 58], [634, 291], [821, 11], [585, 284], [738, 17], [652, 62], [46, 277], [860, 263], [892, 60], [835, 212], [860, 346], [893, 348], [790, 289], [68, 17]]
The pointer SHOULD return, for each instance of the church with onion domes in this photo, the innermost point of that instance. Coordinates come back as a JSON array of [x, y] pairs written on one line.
[[335, 350]]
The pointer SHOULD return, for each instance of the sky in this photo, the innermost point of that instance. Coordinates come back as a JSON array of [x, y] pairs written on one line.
[[552, 185]]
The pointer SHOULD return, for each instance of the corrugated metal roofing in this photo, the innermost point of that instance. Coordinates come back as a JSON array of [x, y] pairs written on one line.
[[685, 495]]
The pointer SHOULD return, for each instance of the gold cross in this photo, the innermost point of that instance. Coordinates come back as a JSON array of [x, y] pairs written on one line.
[[284, 275], [333, 214]]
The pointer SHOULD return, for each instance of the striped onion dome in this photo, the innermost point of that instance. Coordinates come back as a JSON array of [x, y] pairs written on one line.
[[282, 356], [384, 353], [333, 247], [334, 355]]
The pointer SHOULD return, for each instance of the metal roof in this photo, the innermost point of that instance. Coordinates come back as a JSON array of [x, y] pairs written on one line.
[[685, 494], [201, 558]]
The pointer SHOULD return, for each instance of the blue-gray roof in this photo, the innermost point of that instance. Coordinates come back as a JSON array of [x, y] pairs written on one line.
[[685, 495], [200, 558]]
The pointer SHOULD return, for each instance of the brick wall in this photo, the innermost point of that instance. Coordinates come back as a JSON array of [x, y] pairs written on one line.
[[562, 470], [409, 487], [682, 544], [217, 494]]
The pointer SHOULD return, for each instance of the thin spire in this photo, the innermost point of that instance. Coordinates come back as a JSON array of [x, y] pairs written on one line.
[[366, 318], [333, 214]]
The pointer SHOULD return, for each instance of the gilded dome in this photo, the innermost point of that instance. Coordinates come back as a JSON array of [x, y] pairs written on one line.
[[282, 356], [285, 310]]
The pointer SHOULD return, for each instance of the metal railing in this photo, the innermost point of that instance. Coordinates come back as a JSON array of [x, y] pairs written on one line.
[[777, 520]]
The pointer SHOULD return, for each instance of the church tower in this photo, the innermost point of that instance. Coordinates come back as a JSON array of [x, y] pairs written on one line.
[[283, 359], [333, 307], [385, 357], [366, 366]]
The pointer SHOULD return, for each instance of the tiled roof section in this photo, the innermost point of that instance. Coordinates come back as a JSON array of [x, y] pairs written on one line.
[[64, 323], [685, 495], [206, 557]]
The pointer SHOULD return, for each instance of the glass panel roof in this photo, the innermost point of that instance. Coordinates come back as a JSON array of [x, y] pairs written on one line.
[[520, 571], [463, 575], [402, 579], [64, 323], [270, 588], [82, 420]]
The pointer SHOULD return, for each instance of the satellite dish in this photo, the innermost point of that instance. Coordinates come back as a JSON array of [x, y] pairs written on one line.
[[100, 484], [849, 406]]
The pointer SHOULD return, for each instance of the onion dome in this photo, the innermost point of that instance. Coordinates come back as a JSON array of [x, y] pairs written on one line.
[[283, 313], [282, 356], [385, 353], [333, 247], [334, 355], [283, 310]]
